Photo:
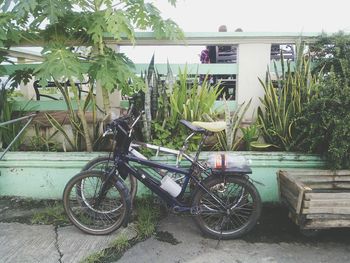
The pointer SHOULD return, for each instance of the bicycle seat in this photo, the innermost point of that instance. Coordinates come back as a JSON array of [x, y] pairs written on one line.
[[215, 126], [192, 127]]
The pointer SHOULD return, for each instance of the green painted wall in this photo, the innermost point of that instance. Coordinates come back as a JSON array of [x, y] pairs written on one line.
[[43, 175]]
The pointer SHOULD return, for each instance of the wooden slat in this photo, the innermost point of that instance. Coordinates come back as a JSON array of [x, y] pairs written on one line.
[[327, 185], [327, 203], [315, 178], [331, 195], [327, 216], [326, 210], [290, 197], [297, 187], [319, 223], [294, 217], [284, 183], [286, 175]]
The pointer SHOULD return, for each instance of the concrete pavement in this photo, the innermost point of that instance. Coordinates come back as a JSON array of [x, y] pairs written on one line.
[[24, 243], [274, 239], [194, 248]]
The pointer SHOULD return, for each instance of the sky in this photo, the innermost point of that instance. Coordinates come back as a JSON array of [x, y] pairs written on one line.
[[250, 15], [259, 15]]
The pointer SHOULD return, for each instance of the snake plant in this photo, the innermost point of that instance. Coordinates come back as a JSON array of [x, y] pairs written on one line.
[[282, 102]]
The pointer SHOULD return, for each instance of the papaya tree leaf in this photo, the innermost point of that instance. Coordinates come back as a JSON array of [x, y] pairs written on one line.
[[112, 70], [59, 64]]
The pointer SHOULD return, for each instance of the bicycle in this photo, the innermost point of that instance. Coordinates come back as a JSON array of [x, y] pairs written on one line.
[[224, 203]]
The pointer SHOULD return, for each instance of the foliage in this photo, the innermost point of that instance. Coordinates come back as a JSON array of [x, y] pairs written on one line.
[[250, 135], [330, 53], [191, 102], [178, 134], [85, 23], [250, 138], [147, 217], [324, 123], [147, 214], [59, 25], [121, 243], [97, 257], [53, 214], [43, 142], [167, 101], [80, 136], [10, 131], [228, 140], [281, 104]]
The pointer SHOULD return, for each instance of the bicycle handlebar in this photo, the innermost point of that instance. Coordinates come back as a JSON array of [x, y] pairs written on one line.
[[115, 124]]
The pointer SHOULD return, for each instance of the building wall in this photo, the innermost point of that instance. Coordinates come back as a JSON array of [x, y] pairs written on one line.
[[253, 60]]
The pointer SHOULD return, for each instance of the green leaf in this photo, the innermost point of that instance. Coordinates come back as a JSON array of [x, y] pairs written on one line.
[[54, 9], [97, 26], [119, 25], [59, 64], [60, 128], [23, 8], [260, 145], [113, 70]]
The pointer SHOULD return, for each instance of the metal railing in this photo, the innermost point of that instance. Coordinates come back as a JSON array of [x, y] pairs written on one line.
[[29, 117]]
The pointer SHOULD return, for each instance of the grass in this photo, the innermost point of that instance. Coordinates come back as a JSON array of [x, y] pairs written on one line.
[[147, 215], [54, 214], [94, 258], [121, 243]]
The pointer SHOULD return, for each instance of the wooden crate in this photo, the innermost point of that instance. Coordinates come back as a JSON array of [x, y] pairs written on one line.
[[316, 198]]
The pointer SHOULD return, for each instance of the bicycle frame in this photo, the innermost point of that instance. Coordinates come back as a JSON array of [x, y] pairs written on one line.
[[123, 159], [122, 164]]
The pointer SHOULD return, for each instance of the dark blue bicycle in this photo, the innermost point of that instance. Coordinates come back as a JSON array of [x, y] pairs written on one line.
[[223, 201]]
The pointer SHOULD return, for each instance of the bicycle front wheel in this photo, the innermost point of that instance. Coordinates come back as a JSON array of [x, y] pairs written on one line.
[[95, 205], [103, 164], [241, 211]]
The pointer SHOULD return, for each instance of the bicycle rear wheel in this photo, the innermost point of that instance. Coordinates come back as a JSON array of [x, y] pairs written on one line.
[[94, 205], [242, 207], [103, 164]]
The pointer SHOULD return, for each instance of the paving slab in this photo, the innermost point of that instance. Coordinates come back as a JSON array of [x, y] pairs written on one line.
[[27, 243], [74, 245], [195, 248]]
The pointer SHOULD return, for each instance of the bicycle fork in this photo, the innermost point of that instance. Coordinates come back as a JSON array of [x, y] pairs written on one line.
[[106, 184]]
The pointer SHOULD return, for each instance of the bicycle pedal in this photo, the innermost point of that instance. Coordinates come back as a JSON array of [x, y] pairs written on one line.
[[175, 209], [195, 210]]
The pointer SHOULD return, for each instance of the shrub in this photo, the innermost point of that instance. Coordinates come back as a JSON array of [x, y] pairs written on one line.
[[324, 123]]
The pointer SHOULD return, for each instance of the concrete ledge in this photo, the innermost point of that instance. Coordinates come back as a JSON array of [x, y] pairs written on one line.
[[43, 175]]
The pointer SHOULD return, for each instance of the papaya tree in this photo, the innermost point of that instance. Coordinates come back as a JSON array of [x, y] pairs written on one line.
[[65, 27]]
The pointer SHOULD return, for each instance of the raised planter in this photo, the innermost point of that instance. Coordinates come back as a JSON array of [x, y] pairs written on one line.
[[44, 174], [316, 199]]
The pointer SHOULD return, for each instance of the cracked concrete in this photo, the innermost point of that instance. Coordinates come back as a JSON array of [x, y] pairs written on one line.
[[27, 243], [48, 244], [57, 245], [75, 245], [195, 248], [274, 239]]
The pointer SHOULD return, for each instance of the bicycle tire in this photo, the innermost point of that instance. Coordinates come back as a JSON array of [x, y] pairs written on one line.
[[96, 217], [99, 163], [241, 212]]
